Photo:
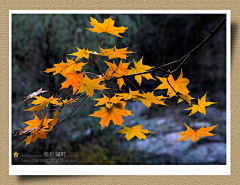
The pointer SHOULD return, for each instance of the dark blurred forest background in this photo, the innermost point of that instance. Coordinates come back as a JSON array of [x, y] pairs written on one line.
[[39, 41]]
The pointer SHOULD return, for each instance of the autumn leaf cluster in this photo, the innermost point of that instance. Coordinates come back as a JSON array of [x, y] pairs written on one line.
[[112, 104]]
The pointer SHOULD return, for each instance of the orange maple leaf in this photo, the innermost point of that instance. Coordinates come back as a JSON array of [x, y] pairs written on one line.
[[139, 68], [73, 66], [200, 106], [36, 122], [58, 68], [128, 96], [73, 79], [134, 131], [69, 67], [41, 100], [107, 100], [186, 98], [146, 98], [180, 85], [115, 114], [149, 98], [105, 52], [117, 53], [87, 85], [195, 136], [37, 108], [81, 53], [40, 132], [117, 71], [106, 27]]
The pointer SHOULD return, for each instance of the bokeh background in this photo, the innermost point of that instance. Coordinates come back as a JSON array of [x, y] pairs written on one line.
[[39, 41]]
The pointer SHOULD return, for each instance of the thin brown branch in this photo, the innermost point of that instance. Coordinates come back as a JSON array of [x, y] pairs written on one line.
[[63, 104], [72, 111], [183, 59], [213, 32]]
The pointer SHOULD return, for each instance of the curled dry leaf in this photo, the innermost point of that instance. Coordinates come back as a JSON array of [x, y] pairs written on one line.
[[35, 94]]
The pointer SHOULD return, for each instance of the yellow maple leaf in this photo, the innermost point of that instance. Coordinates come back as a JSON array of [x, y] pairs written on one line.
[[69, 67], [41, 100], [195, 136], [134, 131], [106, 27], [180, 85], [128, 96], [58, 68], [200, 106], [117, 71], [149, 98], [73, 79], [37, 108], [107, 100], [73, 66], [186, 98], [37, 128], [146, 98], [87, 85], [139, 68], [115, 114], [81, 53], [36, 134], [36, 122], [115, 53]]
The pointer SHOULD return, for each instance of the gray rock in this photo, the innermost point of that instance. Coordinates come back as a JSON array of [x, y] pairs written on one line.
[[87, 132], [212, 153], [160, 147], [171, 148], [136, 107]]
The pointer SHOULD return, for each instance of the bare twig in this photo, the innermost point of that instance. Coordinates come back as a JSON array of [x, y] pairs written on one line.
[[72, 111], [182, 60], [213, 32]]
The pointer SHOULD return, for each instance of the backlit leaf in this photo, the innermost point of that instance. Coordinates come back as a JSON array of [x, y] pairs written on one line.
[[115, 53], [81, 53], [115, 114], [89, 85], [139, 68], [200, 106], [180, 85], [195, 136], [106, 27], [108, 101], [134, 131], [117, 71]]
